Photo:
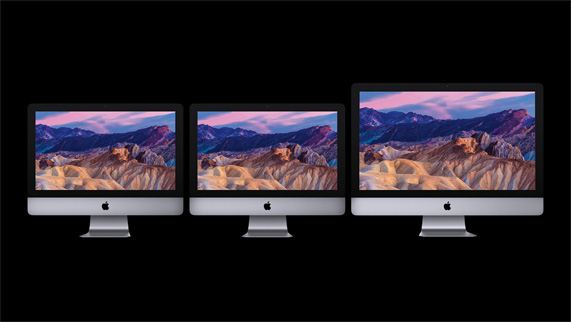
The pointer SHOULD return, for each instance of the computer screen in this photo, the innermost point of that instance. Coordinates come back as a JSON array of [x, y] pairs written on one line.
[[445, 151], [267, 150], [105, 150], [447, 140], [106, 161], [267, 161]]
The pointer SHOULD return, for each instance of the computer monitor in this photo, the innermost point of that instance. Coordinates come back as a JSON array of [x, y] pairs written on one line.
[[107, 161], [267, 161], [445, 151]]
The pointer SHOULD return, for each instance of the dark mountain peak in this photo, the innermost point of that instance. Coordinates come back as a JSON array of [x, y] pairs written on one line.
[[371, 117], [511, 113], [47, 132], [156, 128], [207, 132], [510, 121], [153, 135], [317, 129], [521, 110], [242, 132], [315, 135]]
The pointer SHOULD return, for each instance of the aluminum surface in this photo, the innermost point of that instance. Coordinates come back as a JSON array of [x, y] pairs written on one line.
[[444, 226], [458, 206], [94, 206], [267, 227], [108, 227], [256, 206]]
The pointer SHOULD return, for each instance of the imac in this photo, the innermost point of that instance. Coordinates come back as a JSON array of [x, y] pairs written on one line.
[[267, 161], [445, 151], [107, 161]]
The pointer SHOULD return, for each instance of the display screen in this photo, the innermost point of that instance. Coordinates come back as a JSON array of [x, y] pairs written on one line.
[[108, 150], [270, 150], [447, 140]]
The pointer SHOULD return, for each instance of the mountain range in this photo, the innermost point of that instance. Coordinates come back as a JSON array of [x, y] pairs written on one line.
[[226, 139], [372, 117], [50, 139], [409, 151], [460, 164], [238, 159], [287, 168], [379, 127], [116, 169], [208, 132], [78, 159], [46, 132]]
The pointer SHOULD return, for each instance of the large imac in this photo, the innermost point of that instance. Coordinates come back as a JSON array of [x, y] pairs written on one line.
[[267, 161], [445, 151], [107, 161]]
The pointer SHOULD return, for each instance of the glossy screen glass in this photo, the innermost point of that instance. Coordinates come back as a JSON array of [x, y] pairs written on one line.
[[270, 150], [447, 140], [108, 150]]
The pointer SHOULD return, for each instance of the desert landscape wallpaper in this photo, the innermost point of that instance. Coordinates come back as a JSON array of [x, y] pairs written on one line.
[[105, 150], [447, 141], [267, 150]]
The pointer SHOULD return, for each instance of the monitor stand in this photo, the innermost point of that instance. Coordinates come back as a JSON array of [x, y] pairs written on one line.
[[108, 226], [267, 226], [444, 226]]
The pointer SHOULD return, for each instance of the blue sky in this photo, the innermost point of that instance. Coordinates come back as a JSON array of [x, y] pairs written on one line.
[[449, 105], [269, 122], [107, 122]]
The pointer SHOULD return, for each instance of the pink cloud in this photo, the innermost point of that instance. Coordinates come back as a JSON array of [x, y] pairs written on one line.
[[259, 121], [99, 121], [500, 95], [71, 117], [439, 103], [405, 98], [434, 111], [311, 114]]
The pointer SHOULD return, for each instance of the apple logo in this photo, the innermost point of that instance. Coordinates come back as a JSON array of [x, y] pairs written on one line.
[[447, 206], [105, 206], [267, 206]]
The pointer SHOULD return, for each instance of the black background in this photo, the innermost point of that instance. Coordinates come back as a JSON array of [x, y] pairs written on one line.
[[334, 268]]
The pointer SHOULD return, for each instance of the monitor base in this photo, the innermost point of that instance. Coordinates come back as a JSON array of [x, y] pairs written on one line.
[[267, 227], [442, 226], [108, 227]]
